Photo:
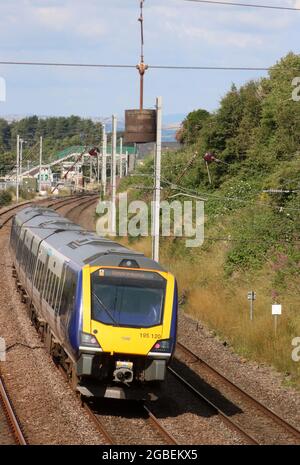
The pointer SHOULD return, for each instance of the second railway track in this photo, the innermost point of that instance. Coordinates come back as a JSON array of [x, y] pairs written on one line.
[[10, 430], [251, 417]]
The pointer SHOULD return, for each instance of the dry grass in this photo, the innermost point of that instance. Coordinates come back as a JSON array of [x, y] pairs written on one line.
[[222, 304]]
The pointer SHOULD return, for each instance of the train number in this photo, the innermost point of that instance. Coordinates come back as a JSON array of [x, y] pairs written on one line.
[[150, 336]]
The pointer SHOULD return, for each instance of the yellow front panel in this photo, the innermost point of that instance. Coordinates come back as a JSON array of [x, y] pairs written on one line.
[[122, 339]]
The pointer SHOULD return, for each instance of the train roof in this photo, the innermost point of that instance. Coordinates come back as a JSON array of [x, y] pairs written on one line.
[[78, 245]]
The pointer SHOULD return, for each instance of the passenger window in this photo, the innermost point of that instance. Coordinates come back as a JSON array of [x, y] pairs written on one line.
[[46, 287], [69, 291]]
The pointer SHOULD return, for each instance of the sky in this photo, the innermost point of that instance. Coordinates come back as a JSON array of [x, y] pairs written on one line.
[[177, 32]]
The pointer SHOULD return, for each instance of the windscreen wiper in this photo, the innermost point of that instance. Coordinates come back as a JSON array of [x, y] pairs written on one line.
[[107, 310]]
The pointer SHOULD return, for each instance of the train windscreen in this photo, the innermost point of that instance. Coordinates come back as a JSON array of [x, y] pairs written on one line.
[[127, 298]]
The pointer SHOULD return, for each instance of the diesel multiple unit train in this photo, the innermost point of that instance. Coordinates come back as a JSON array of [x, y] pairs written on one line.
[[107, 314]]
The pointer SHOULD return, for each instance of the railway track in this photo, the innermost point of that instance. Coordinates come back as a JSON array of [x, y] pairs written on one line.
[[112, 434], [10, 429], [61, 204], [255, 421], [7, 214], [83, 205]]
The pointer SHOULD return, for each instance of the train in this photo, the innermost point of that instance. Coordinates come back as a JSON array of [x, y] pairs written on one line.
[[107, 314]]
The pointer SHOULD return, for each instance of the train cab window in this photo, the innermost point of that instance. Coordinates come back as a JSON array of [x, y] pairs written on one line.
[[132, 299]]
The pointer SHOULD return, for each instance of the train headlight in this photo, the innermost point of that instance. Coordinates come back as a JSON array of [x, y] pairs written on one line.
[[89, 340], [164, 345]]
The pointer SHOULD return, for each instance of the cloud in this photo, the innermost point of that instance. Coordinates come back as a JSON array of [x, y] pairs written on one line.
[[64, 18], [107, 31]]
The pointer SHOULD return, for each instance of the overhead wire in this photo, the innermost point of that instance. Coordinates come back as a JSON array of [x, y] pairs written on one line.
[[158, 67], [246, 5]]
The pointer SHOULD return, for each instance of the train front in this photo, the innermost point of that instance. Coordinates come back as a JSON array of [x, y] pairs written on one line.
[[129, 323]]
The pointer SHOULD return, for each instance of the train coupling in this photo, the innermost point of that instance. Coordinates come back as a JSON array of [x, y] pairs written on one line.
[[123, 372]]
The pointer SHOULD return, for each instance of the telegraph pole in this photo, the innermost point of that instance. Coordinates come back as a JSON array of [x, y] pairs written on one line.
[[98, 168], [157, 175], [104, 158], [91, 169], [121, 155], [40, 164], [142, 67], [126, 163], [113, 174], [21, 160], [18, 162]]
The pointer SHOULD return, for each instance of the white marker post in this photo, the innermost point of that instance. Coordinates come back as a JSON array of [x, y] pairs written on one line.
[[276, 310], [121, 157], [251, 298]]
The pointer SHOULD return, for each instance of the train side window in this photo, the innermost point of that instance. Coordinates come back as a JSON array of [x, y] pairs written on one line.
[[54, 292], [38, 275], [27, 260], [60, 289], [23, 256], [30, 266], [33, 266], [42, 280], [46, 287], [51, 288], [69, 293], [19, 247]]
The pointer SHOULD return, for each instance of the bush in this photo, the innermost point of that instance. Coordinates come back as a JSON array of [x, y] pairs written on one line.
[[5, 198]]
